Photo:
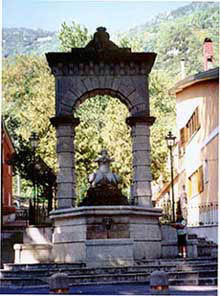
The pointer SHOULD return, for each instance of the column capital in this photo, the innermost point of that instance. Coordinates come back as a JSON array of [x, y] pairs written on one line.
[[132, 120], [64, 120]]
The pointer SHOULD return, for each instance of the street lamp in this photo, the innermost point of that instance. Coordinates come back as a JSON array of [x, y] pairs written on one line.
[[170, 138], [34, 142]]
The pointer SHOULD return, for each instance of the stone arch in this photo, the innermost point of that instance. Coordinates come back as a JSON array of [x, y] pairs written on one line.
[[75, 103], [102, 68], [74, 90]]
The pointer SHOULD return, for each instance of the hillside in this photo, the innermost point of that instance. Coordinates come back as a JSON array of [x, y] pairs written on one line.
[[180, 34], [173, 36], [28, 41]]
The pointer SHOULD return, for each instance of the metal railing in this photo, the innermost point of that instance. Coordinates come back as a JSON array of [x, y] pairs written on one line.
[[26, 215], [22, 214], [203, 214]]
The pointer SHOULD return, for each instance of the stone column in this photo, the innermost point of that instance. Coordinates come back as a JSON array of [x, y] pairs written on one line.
[[141, 159], [66, 181]]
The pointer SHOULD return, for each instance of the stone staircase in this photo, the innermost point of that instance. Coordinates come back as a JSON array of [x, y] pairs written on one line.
[[206, 247], [199, 271]]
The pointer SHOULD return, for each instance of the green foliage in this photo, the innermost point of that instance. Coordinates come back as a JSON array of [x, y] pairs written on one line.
[[28, 102], [182, 39], [133, 42], [162, 106], [30, 169], [73, 35], [181, 34]]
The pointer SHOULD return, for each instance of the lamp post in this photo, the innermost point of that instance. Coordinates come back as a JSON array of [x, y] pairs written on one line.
[[170, 138], [34, 142]]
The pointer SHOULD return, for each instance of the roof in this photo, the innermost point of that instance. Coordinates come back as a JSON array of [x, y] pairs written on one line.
[[193, 79], [166, 187]]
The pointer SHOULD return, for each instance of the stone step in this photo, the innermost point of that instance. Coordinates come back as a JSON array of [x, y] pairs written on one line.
[[47, 269], [41, 266], [193, 274], [4, 274], [179, 261], [195, 282], [188, 267], [174, 279], [110, 279]]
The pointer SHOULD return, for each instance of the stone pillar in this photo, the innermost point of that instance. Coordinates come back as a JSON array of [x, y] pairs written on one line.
[[66, 180], [141, 159]]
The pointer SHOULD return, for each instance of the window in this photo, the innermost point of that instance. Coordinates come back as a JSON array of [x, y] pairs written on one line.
[[193, 124], [191, 127], [200, 180], [196, 183], [183, 140]]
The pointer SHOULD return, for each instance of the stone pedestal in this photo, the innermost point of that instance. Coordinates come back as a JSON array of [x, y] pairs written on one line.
[[33, 253], [109, 252], [115, 228]]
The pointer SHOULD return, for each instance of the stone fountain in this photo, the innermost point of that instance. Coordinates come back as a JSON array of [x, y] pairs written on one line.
[[104, 230]]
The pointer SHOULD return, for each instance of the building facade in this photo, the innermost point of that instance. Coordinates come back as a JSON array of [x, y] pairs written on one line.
[[197, 107], [8, 209]]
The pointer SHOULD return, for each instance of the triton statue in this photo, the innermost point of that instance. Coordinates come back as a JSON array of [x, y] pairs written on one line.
[[103, 174], [104, 185]]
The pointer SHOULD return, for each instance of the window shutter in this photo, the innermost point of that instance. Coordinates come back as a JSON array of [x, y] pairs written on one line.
[[201, 182], [186, 134], [197, 115], [189, 187], [182, 136]]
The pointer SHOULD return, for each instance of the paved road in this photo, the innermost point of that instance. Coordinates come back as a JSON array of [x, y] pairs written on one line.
[[122, 289]]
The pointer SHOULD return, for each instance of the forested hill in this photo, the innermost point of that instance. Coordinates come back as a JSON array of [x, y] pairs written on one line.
[[180, 34], [184, 11], [175, 35], [27, 41]]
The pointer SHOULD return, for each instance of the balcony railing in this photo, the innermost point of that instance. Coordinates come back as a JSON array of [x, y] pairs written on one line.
[[204, 214]]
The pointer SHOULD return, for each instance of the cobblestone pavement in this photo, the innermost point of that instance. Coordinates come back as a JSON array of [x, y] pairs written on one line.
[[122, 289]]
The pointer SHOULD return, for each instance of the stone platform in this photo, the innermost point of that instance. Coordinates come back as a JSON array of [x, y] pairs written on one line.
[[106, 235], [200, 272]]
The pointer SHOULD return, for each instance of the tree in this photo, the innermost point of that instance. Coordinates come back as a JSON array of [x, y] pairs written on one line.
[[73, 35], [28, 101], [33, 172], [162, 106]]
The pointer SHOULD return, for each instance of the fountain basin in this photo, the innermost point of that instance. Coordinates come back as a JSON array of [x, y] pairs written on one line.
[[127, 233]]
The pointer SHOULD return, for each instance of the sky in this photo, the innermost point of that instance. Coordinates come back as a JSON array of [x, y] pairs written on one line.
[[115, 15]]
